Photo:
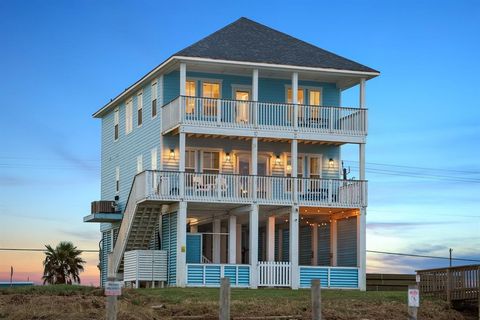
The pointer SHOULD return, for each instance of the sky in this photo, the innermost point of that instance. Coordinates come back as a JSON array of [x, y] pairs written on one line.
[[62, 60]]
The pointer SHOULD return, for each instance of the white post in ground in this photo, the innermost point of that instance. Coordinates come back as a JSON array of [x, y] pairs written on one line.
[[271, 238], [294, 223], [315, 244], [253, 245], [217, 223], [333, 242], [232, 239], [181, 244], [239, 243], [111, 305], [362, 228]]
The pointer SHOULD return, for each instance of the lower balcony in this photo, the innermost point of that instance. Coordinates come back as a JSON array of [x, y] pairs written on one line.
[[265, 190]]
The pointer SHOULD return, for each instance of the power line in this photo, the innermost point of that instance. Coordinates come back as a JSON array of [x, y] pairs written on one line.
[[421, 256], [419, 168]]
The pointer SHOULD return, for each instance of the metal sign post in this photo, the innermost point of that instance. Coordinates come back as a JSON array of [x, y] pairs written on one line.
[[413, 301]]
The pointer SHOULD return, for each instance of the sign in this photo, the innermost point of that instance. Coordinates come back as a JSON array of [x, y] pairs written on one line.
[[113, 288], [414, 298]]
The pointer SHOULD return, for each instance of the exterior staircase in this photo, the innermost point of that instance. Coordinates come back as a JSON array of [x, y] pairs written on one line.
[[138, 223]]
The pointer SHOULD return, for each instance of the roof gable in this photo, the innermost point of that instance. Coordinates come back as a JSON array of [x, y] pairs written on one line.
[[249, 41]]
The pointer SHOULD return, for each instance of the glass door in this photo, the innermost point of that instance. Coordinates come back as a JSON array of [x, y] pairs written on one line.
[[242, 108]]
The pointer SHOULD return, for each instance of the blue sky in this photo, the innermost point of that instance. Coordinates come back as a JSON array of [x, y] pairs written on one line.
[[62, 60]]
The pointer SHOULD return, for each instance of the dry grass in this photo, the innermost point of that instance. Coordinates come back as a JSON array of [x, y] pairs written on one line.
[[59, 302]]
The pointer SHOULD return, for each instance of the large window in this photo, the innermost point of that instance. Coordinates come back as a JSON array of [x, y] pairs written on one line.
[[210, 90], [139, 109], [129, 116], [190, 161], [314, 97], [154, 99], [115, 124], [300, 98], [211, 162], [190, 91]]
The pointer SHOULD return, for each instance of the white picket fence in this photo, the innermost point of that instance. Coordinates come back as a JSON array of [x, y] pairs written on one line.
[[274, 274]]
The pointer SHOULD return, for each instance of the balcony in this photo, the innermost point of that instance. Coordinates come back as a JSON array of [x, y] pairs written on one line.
[[248, 118], [264, 190]]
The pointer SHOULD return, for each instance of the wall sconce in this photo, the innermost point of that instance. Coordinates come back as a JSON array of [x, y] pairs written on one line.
[[278, 160], [172, 154], [330, 163], [227, 157]]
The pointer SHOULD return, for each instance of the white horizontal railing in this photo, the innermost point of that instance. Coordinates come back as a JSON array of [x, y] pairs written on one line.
[[263, 115], [232, 188], [274, 274]]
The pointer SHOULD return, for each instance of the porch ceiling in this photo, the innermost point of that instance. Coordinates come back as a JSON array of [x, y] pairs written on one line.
[[240, 138]]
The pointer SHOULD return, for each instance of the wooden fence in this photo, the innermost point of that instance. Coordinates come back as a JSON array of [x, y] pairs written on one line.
[[451, 284], [389, 282]]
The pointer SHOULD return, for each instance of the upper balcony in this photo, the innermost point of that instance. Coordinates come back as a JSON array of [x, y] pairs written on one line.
[[265, 119]]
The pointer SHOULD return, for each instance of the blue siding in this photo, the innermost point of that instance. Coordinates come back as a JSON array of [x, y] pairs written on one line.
[[195, 275], [339, 277], [308, 274], [347, 242], [343, 278], [194, 248], [210, 274], [169, 243]]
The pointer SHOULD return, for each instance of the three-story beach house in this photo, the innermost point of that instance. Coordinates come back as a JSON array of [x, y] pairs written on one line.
[[225, 161]]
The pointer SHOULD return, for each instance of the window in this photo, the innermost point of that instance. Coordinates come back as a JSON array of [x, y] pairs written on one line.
[[299, 167], [129, 116], [117, 180], [153, 157], [154, 99], [315, 167], [211, 162], [299, 98], [115, 124], [190, 161], [139, 109], [212, 91], [139, 163], [314, 97], [190, 91]]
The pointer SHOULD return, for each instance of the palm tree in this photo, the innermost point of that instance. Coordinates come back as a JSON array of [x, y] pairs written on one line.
[[63, 264]]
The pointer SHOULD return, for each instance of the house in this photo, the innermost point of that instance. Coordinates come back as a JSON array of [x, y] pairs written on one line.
[[225, 160]]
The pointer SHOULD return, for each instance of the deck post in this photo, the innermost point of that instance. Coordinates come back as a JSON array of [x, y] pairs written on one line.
[[293, 252], [333, 242], [232, 239], [181, 244], [315, 244], [217, 229], [271, 238], [253, 244], [255, 96], [293, 172], [361, 97], [254, 167], [295, 99]]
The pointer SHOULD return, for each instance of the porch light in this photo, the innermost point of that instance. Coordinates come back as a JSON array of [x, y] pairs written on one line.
[[172, 154], [278, 160], [227, 157], [330, 163], [289, 168]]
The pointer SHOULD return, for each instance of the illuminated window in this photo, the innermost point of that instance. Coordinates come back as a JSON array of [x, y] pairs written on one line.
[[190, 91], [314, 97], [299, 98], [315, 167], [299, 167], [211, 162], [212, 91]]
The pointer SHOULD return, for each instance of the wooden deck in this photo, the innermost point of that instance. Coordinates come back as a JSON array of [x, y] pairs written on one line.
[[451, 284]]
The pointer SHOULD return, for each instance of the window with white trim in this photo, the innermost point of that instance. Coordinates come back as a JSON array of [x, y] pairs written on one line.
[[139, 163], [129, 116], [154, 99], [117, 180], [300, 98], [315, 166], [211, 162], [190, 91], [115, 124], [153, 159], [139, 108], [190, 160]]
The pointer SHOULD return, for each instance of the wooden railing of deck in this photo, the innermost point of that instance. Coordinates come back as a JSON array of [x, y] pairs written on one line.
[[451, 284]]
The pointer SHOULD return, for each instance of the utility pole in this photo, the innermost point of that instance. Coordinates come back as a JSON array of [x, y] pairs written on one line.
[[450, 250]]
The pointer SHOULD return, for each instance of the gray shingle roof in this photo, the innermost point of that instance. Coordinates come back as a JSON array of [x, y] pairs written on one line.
[[249, 41]]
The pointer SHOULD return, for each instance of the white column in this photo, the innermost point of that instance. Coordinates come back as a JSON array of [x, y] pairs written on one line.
[[295, 98], [232, 239], [362, 93], [159, 112], [255, 95], [238, 243], [253, 245], [294, 223], [181, 243], [361, 160], [271, 238], [361, 248], [217, 223], [181, 163], [294, 164], [333, 242], [254, 164], [315, 244], [183, 78]]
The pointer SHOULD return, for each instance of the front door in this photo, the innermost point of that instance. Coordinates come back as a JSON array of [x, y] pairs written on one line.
[[242, 108]]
